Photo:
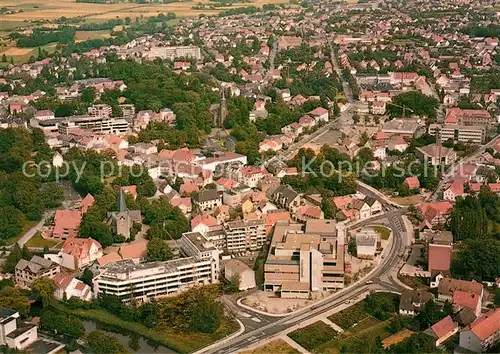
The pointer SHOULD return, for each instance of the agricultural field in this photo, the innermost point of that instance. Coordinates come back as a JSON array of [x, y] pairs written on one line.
[[43, 10], [314, 335]]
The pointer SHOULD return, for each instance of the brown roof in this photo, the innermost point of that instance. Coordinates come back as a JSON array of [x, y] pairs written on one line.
[[448, 286], [443, 327]]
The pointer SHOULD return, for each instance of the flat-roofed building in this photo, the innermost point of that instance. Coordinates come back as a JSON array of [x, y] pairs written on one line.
[[301, 261], [95, 124], [403, 126], [175, 52], [129, 280], [463, 133], [245, 235]]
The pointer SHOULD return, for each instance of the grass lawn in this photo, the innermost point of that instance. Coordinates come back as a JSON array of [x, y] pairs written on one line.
[[314, 335], [383, 231], [39, 241], [350, 316], [278, 346], [360, 339], [180, 342]]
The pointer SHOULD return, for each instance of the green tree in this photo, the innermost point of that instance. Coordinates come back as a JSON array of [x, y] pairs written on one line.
[[11, 222], [158, 250], [206, 315], [4, 58], [102, 343], [60, 323], [52, 195], [13, 298], [44, 287], [88, 95]]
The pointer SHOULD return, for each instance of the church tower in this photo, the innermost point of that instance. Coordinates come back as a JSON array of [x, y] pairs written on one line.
[[222, 110]]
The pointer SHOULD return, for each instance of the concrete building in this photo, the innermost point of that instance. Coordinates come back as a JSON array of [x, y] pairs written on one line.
[[246, 276], [14, 333], [145, 281], [95, 124], [175, 52], [100, 110], [27, 271], [459, 133], [301, 261], [245, 235]]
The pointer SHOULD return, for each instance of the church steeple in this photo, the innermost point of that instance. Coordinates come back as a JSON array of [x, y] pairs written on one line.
[[122, 204], [222, 109]]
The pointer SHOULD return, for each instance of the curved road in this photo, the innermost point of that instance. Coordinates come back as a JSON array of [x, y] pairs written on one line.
[[380, 277]]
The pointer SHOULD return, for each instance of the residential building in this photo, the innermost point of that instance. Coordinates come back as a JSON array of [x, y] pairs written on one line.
[[14, 333], [448, 286], [27, 271], [286, 197], [175, 52], [412, 302], [100, 110], [443, 330], [435, 213], [94, 124], [145, 281], [246, 276], [482, 333], [208, 199], [301, 261], [67, 286], [245, 235], [66, 223], [78, 253]]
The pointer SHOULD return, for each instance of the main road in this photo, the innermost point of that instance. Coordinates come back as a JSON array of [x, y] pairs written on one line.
[[379, 278]]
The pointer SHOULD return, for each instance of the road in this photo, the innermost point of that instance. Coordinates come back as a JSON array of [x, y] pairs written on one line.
[[31, 232], [453, 169], [381, 277]]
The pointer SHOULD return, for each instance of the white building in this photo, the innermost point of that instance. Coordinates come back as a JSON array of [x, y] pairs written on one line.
[[366, 243], [67, 286], [146, 281], [77, 253], [14, 333], [236, 268]]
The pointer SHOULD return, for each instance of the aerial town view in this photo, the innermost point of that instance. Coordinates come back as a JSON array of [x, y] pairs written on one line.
[[249, 176]]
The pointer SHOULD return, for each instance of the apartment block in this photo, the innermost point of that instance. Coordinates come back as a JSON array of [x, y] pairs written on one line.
[[100, 110], [245, 235], [96, 124], [304, 260], [463, 133], [175, 52], [145, 281]]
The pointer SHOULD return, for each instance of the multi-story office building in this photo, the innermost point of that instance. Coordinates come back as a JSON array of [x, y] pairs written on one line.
[[245, 235], [146, 281], [301, 261], [463, 133]]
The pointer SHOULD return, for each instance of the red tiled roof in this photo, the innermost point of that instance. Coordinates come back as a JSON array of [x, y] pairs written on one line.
[[79, 247], [412, 182], [205, 219], [443, 327], [466, 299], [486, 325], [439, 257]]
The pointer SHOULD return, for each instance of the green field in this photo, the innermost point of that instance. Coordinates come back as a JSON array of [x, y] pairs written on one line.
[[278, 346], [40, 242], [383, 231]]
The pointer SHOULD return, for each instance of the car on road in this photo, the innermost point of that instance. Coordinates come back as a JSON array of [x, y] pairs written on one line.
[[369, 282]]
